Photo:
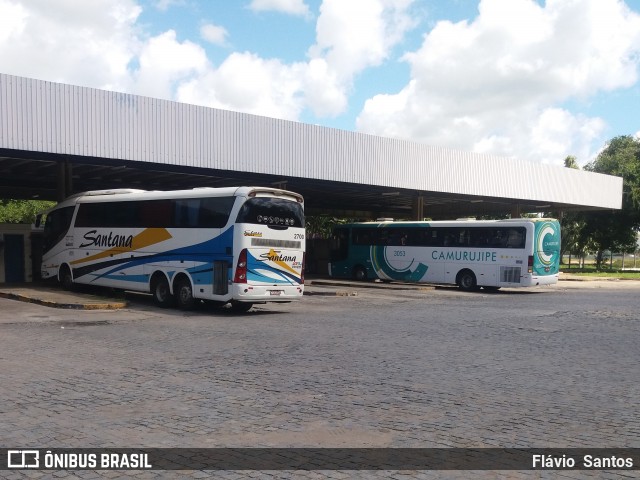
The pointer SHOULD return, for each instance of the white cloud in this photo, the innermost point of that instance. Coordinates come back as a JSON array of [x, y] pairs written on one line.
[[355, 34], [101, 44], [12, 20], [164, 5], [164, 61], [95, 44], [291, 7], [214, 34], [351, 36], [245, 82], [85, 43], [497, 84]]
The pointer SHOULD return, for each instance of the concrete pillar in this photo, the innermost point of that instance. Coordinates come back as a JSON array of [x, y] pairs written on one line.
[[418, 208], [64, 186], [68, 179], [515, 211]]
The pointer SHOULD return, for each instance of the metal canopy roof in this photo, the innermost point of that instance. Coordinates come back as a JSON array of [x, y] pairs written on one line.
[[29, 175], [111, 140]]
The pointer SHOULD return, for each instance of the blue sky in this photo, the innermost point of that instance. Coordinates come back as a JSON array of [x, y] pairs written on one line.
[[536, 80]]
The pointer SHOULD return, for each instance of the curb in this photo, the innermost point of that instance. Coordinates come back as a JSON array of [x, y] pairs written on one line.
[[63, 305], [337, 293]]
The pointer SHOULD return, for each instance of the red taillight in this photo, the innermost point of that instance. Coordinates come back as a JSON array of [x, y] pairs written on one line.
[[304, 256], [530, 264], [241, 268]]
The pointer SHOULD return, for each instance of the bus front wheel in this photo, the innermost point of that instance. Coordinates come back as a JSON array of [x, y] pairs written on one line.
[[467, 280], [65, 277]]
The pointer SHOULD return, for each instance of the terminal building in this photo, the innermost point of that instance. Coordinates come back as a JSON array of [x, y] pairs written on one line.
[[58, 139]]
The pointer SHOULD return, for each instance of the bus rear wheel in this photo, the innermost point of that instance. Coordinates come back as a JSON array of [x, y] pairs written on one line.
[[184, 293], [240, 307], [467, 281], [360, 273], [161, 292], [491, 289]]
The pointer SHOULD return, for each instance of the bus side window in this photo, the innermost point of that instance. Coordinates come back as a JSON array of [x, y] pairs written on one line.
[[499, 239], [515, 238], [186, 213], [432, 237], [155, 213]]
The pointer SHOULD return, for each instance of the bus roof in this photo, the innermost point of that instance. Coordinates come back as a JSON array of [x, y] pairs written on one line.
[[445, 223], [129, 194]]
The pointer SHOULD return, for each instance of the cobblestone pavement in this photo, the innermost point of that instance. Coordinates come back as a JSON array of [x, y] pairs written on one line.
[[549, 367]]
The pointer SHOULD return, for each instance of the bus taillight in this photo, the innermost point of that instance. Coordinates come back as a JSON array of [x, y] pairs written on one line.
[[530, 264], [304, 256], [241, 268]]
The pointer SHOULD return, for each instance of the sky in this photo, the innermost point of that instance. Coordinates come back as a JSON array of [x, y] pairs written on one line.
[[533, 80]]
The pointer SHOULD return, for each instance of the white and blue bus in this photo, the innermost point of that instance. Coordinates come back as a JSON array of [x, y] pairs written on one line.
[[471, 254], [240, 245]]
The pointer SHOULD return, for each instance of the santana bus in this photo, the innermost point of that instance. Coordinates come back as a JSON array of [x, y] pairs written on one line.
[[240, 245], [469, 253]]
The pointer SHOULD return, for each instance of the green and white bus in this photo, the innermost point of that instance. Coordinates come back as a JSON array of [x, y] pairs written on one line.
[[238, 245], [469, 253]]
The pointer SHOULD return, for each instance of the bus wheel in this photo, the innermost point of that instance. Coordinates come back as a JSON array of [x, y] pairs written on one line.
[[65, 277], [240, 307], [467, 280], [161, 292], [184, 293], [360, 273]]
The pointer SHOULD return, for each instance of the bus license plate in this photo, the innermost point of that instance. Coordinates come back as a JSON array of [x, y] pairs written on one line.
[[275, 292]]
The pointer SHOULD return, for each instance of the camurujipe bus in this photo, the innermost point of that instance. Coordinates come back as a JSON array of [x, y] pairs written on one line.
[[469, 253], [240, 245]]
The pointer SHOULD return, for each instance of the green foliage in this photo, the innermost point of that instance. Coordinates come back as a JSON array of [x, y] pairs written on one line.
[[22, 211], [322, 227], [571, 162], [621, 158], [615, 231]]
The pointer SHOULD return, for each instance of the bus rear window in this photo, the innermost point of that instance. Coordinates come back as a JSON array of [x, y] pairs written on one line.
[[271, 211]]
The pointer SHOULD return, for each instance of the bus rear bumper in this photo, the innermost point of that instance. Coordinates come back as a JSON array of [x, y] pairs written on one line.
[[536, 281], [267, 293]]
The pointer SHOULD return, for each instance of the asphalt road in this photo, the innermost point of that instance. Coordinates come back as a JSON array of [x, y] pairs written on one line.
[[548, 367]]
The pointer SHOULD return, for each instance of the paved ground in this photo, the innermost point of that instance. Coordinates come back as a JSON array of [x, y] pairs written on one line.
[[390, 367]]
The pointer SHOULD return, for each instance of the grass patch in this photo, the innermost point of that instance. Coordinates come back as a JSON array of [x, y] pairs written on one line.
[[592, 271]]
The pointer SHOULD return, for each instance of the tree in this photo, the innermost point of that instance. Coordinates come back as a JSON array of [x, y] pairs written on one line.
[[22, 211], [571, 162], [616, 231]]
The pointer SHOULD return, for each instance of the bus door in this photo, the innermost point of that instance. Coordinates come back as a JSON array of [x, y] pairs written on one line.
[[339, 254]]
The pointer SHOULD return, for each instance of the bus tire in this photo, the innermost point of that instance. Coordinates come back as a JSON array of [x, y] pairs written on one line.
[[184, 293], [491, 289], [466, 280], [161, 291], [360, 273], [65, 277], [240, 307]]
